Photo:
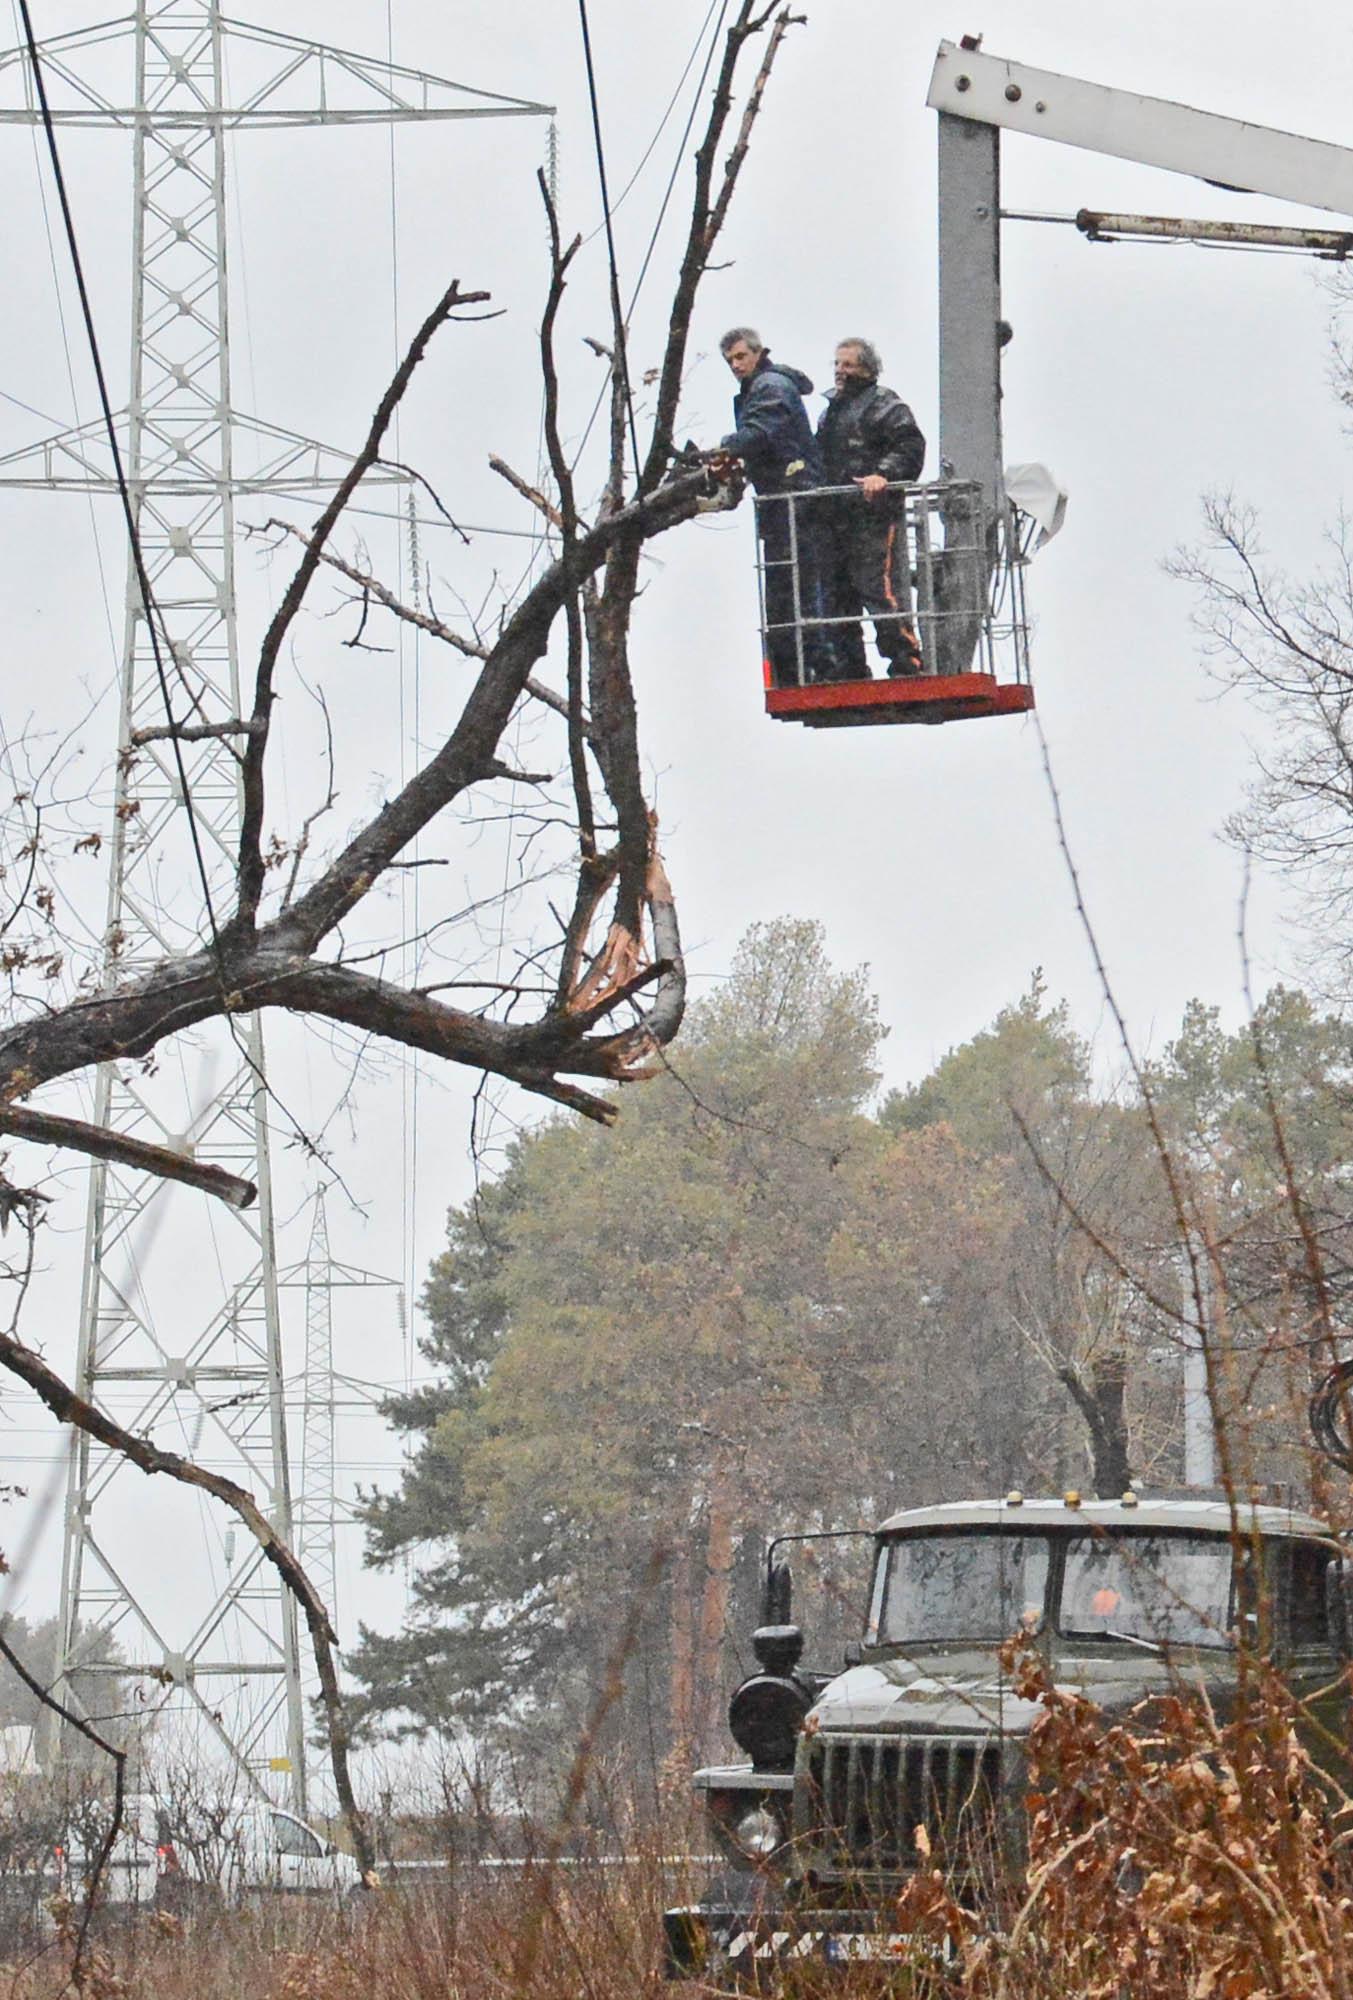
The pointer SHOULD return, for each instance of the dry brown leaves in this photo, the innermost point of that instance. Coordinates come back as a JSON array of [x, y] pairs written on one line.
[[1172, 1854]]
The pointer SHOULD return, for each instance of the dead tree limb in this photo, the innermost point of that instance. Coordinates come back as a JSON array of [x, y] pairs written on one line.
[[47, 1130], [68, 1408]]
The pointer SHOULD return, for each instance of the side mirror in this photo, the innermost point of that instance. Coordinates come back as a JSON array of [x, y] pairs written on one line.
[[777, 1596], [854, 1652]]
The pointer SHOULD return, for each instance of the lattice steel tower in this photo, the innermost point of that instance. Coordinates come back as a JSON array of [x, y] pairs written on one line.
[[187, 1344]]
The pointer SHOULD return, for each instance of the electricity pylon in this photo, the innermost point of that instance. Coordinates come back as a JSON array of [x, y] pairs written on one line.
[[189, 1342]]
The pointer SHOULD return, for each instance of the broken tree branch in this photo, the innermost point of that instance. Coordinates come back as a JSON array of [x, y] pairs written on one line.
[[45, 1129]]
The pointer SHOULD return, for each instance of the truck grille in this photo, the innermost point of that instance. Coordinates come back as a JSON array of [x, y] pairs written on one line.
[[860, 1799]]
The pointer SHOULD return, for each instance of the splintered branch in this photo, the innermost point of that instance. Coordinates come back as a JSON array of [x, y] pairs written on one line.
[[608, 611]]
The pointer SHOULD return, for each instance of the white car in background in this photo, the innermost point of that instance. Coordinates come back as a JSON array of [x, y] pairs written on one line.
[[179, 1857]]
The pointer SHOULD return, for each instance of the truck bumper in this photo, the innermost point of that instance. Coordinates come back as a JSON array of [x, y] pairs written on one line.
[[718, 1944]]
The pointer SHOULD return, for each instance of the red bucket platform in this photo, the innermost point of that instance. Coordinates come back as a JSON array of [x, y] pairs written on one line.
[[922, 698]]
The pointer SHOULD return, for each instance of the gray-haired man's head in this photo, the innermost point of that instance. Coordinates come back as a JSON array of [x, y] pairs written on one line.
[[742, 347], [857, 361]]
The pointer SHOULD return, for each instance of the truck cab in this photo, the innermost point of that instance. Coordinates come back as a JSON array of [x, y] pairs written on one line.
[[916, 1750]]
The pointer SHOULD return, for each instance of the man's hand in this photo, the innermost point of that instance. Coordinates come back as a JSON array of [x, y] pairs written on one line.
[[872, 484]]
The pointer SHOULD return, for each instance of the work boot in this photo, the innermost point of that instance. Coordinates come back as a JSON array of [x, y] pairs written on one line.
[[908, 662]]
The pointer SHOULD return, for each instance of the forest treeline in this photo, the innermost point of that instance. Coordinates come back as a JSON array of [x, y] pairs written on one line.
[[770, 1300]]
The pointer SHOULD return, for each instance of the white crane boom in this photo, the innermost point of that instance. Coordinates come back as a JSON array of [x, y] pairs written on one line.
[[1254, 159]]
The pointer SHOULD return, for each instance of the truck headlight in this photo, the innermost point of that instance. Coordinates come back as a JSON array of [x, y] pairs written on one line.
[[765, 1716], [758, 1833]]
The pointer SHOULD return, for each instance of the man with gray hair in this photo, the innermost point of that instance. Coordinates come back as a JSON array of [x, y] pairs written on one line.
[[773, 436], [869, 440]]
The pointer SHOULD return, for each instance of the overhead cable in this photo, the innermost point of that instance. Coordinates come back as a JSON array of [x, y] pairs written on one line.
[[133, 536], [617, 317], [667, 195]]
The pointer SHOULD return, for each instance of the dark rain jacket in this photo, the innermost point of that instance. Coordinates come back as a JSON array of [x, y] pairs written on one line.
[[866, 428], [773, 435]]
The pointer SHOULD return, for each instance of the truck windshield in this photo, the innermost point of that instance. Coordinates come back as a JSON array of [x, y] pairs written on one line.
[[975, 1586], [1157, 1589]]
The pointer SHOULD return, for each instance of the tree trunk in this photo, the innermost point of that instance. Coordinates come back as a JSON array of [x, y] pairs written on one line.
[[682, 1700], [1103, 1406], [710, 1693]]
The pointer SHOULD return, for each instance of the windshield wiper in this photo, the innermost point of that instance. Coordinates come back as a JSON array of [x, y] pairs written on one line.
[[1133, 1639]]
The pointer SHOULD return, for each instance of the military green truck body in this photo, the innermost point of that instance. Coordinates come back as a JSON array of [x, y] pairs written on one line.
[[917, 1748]]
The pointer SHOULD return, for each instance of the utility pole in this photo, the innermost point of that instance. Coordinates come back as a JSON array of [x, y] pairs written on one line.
[[185, 1345], [1200, 1454]]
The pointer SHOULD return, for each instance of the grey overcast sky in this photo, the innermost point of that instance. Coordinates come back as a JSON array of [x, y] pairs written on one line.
[[1143, 376]]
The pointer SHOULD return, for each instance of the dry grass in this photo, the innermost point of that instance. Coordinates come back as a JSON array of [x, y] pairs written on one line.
[[587, 1932], [1173, 1855]]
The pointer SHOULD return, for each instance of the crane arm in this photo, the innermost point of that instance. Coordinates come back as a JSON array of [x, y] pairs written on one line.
[[1253, 159]]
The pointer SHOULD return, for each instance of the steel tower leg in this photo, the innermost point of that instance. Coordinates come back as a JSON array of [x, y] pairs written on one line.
[[317, 1522]]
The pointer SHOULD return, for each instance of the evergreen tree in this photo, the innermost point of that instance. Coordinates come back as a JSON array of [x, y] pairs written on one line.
[[639, 1358]]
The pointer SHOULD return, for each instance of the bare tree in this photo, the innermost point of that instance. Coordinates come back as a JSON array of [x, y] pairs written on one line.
[[1288, 645], [612, 977]]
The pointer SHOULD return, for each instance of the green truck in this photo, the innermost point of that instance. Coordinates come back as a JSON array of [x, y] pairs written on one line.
[[917, 1747]]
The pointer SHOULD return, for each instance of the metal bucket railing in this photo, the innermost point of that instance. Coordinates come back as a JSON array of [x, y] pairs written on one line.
[[957, 581]]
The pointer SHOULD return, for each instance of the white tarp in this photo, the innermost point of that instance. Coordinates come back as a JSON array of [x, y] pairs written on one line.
[[1039, 494]]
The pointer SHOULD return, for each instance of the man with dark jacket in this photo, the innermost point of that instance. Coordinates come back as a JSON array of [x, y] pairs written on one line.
[[868, 438], [773, 437]]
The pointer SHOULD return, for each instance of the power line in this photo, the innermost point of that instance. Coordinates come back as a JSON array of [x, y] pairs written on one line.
[[661, 125], [667, 196], [70, 380], [681, 148], [621, 344], [152, 610]]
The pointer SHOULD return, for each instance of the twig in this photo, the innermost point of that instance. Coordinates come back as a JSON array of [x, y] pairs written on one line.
[[527, 491]]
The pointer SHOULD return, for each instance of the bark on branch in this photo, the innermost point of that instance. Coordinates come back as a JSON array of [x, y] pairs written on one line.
[[47, 1130]]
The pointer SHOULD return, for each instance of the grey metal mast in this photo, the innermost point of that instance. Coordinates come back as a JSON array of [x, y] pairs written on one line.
[[180, 1327]]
